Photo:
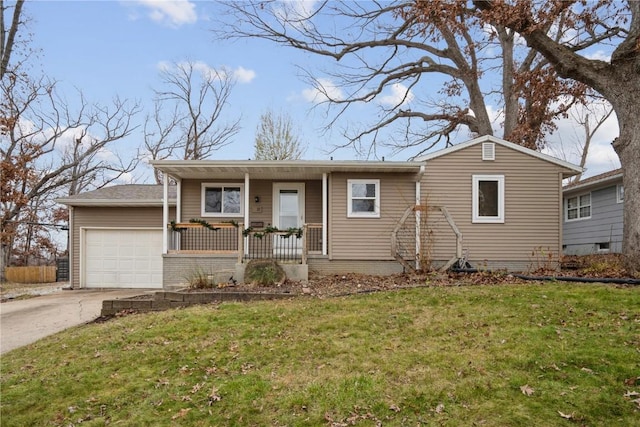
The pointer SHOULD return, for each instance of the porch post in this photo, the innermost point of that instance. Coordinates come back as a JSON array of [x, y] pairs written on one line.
[[178, 201], [165, 213], [324, 214], [246, 211]]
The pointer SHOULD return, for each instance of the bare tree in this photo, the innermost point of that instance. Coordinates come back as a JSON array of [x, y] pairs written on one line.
[[187, 121], [386, 56], [585, 122], [276, 138], [47, 148], [590, 120]]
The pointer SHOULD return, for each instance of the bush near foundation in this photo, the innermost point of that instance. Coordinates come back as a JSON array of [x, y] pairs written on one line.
[[264, 272]]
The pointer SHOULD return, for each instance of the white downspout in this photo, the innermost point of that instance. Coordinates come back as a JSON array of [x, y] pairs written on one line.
[[165, 213], [418, 218], [178, 200], [324, 214], [71, 247], [246, 210]]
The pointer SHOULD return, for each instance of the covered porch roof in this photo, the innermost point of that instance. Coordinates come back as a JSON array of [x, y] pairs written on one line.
[[277, 169]]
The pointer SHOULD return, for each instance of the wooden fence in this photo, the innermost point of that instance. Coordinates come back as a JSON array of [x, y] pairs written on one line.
[[39, 274]]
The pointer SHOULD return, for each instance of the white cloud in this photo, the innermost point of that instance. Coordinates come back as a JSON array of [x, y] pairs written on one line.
[[127, 178], [172, 13], [294, 12], [400, 95], [240, 74], [327, 90], [243, 75]]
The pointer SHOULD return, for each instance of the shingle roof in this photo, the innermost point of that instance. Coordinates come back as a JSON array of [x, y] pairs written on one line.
[[592, 181], [122, 195]]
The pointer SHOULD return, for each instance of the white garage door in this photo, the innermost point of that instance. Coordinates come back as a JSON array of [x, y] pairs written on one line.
[[123, 259]]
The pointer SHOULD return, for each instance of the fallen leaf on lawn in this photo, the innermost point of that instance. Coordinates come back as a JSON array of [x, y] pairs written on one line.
[[566, 416], [162, 381], [632, 381], [440, 408], [214, 396], [181, 414], [526, 390], [394, 408], [587, 370]]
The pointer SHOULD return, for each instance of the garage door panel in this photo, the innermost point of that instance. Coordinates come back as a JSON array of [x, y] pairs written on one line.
[[123, 258]]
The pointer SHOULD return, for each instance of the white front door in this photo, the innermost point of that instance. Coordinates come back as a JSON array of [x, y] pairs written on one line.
[[288, 212]]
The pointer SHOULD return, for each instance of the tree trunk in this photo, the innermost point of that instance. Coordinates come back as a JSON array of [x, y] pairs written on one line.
[[627, 145]]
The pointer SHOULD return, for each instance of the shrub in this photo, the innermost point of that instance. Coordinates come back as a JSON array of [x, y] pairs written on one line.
[[264, 272], [199, 279]]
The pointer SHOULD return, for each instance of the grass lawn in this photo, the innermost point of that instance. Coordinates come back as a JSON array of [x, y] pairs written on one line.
[[530, 355]]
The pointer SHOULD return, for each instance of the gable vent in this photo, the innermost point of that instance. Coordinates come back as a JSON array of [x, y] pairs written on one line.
[[488, 151]]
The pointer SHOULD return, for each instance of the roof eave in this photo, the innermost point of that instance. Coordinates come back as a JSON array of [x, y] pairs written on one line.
[[294, 169], [591, 184], [113, 202]]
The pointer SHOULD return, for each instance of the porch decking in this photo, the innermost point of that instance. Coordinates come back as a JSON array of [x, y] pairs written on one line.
[[290, 246]]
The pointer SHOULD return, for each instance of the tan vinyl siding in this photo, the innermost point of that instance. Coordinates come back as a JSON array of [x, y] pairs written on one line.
[[262, 211], [532, 205], [367, 238], [313, 192], [106, 217]]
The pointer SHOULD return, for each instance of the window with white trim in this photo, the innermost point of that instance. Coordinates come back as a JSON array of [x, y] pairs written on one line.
[[620, 193], [488, 198], [363, 198], [222, 199], [578, 207]]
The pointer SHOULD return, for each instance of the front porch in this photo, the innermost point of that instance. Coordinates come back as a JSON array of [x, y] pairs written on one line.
[[232, 239], [324, 215], [221, 251]]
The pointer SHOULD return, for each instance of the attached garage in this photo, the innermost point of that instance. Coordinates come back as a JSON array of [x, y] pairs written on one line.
[[115, 236], [122, 258]]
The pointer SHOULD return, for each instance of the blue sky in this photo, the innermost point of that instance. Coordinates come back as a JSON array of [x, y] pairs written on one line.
[[109, 48]]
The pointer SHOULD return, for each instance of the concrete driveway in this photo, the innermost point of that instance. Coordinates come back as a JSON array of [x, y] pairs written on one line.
[[25, 321]]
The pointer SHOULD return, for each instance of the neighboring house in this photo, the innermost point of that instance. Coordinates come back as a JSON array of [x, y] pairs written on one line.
[[503, 201], [592, 213]]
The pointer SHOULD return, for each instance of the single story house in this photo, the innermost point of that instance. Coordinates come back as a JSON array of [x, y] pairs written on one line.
[[593, 214], [490, 202]]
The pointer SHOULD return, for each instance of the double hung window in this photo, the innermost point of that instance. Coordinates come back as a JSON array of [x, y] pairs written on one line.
[[578, 207], [363, 198], [222, 199]]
